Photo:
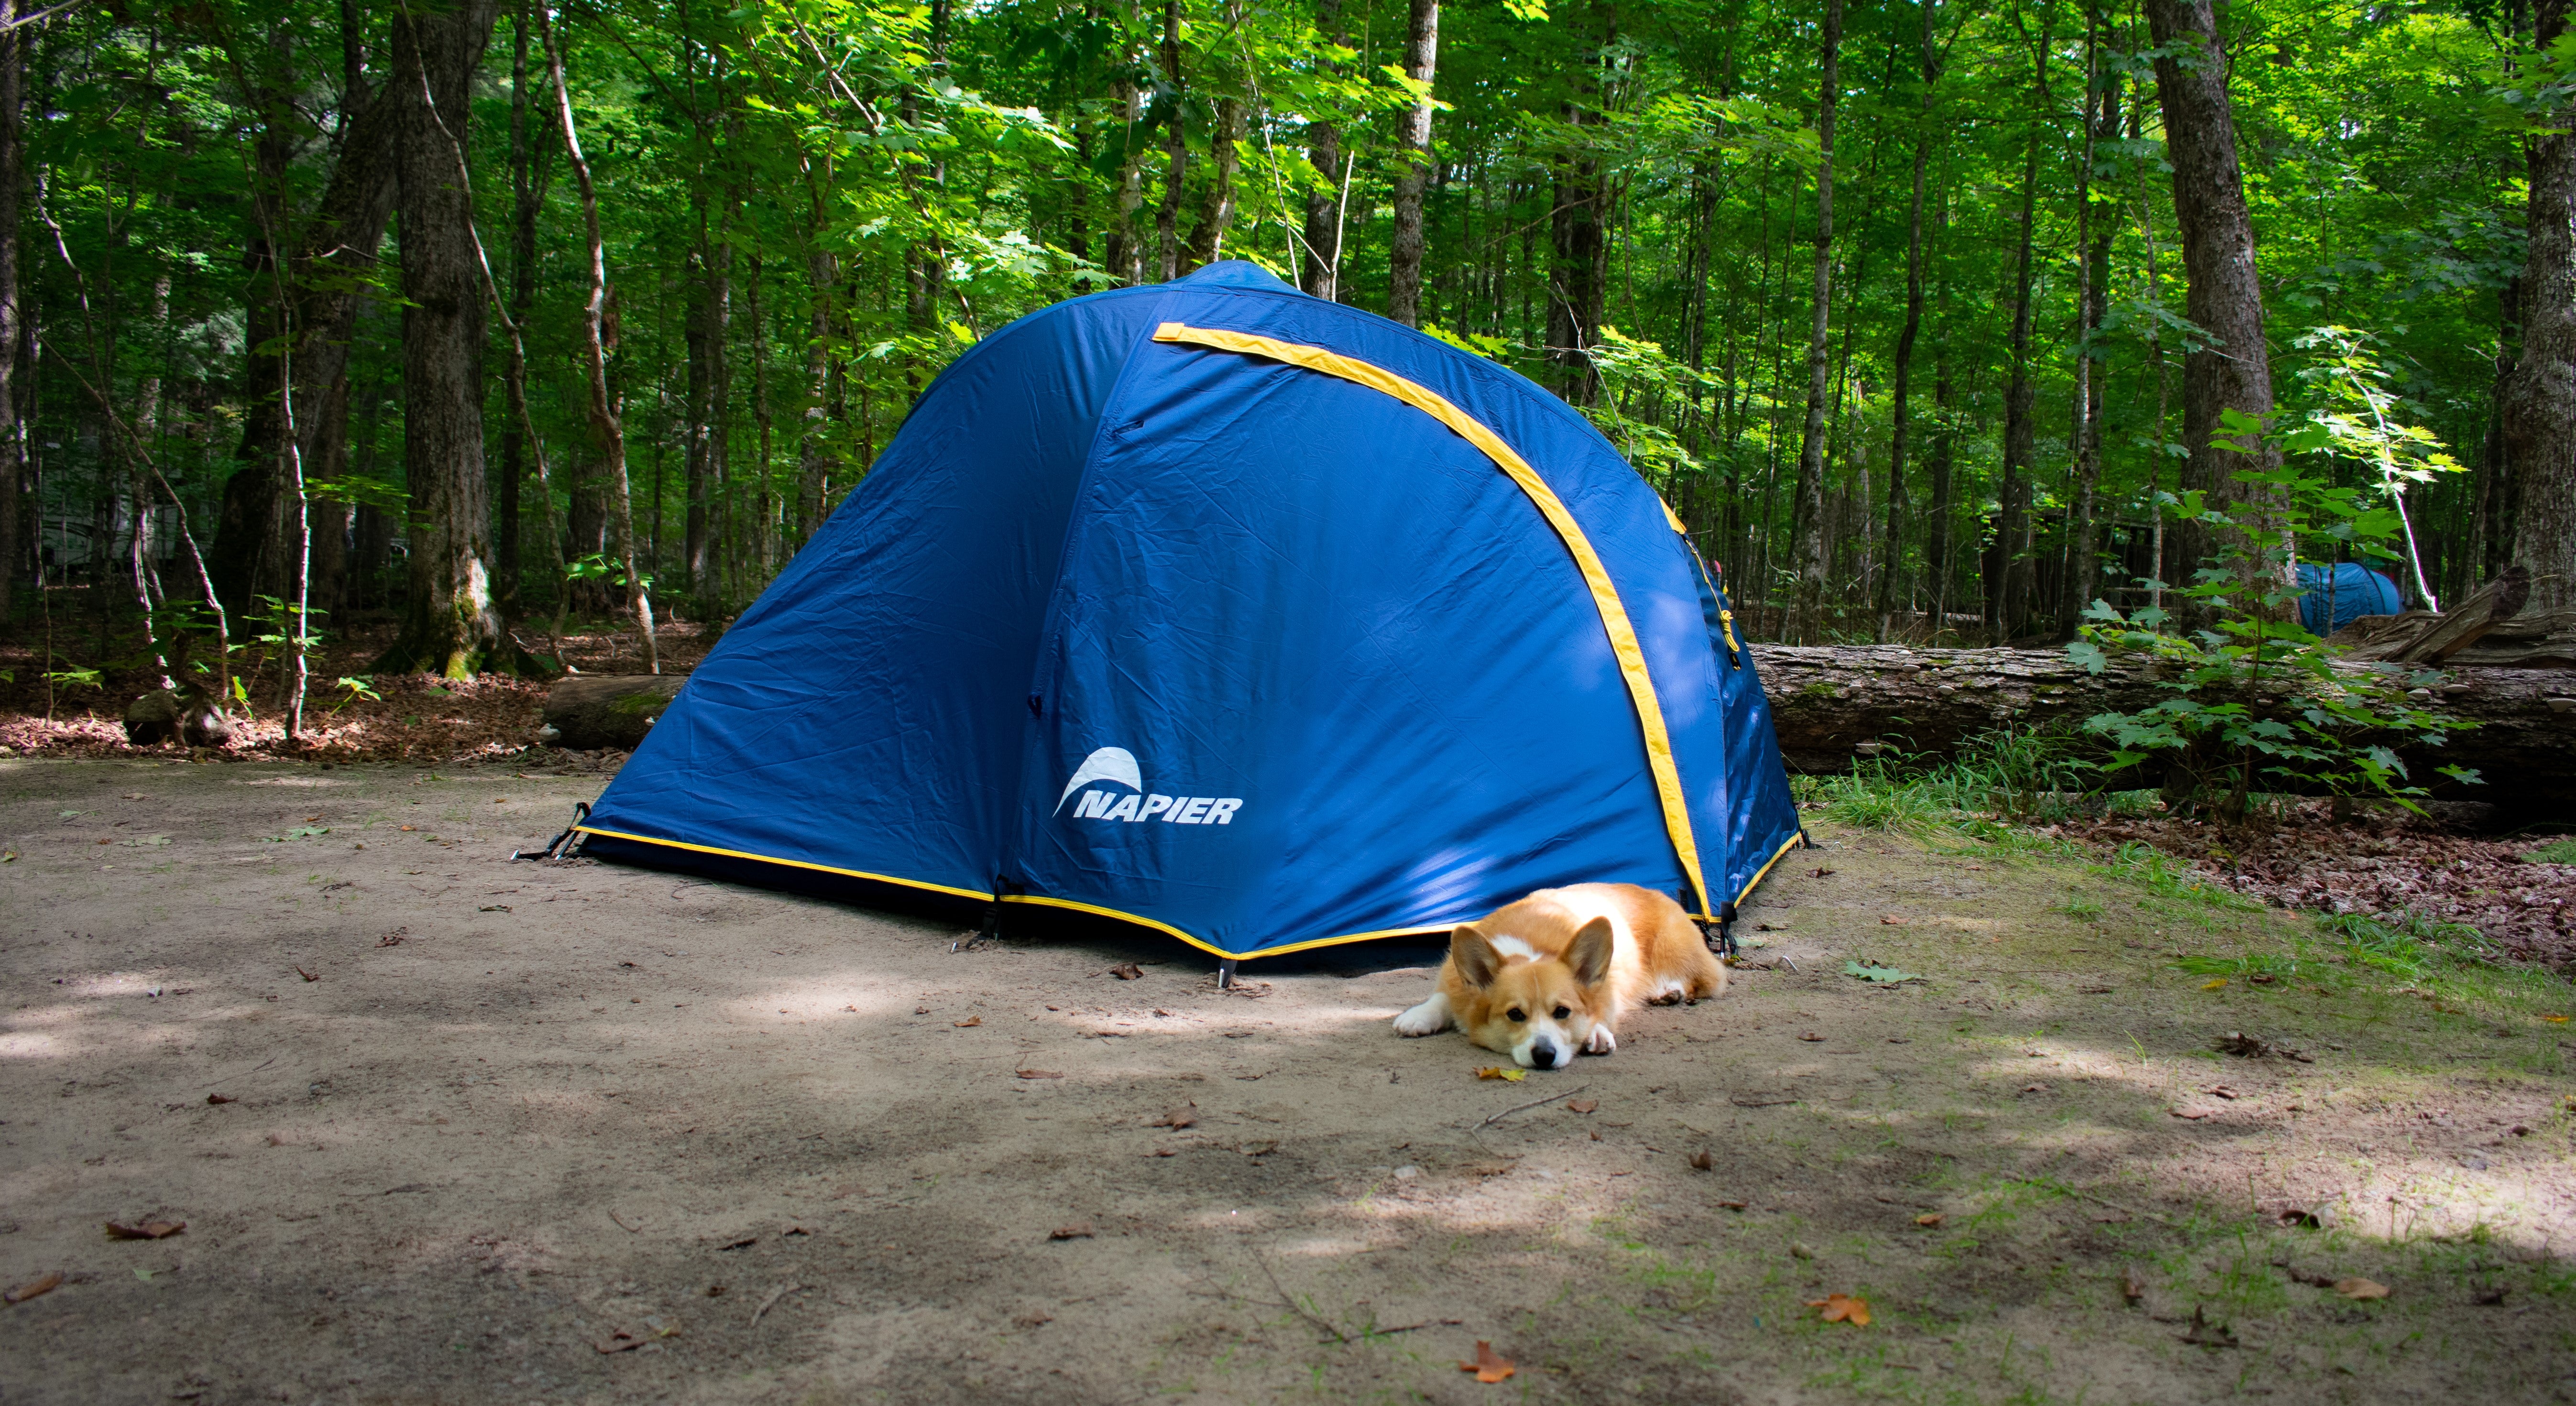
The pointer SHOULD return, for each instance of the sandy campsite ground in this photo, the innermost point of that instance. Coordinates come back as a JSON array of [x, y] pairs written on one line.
[[442, 1127]]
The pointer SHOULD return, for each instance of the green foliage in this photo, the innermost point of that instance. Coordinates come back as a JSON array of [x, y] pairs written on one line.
[[2221, 733], [2024, 775]]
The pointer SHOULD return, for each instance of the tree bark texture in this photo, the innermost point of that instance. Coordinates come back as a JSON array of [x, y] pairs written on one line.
[[1826, 703], [2233, 371], [2008, 605], [452, 627], [1814, 550], [1216, 209], [1404, 253], [2540, 394], [2093, 307], [593, 711], [1901, 393], [523, 292]]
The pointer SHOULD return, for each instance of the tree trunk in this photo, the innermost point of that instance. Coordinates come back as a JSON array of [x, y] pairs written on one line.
[[817, 459], [1828, 704], [1901, 392], [1207, 237], [2233, 370], [330, 270], [1323, 264], [1809, 508], [2093, 307], [2008, 610], [1176, 149], [523, 292], [2540, 395], [451, 627], [606, 419], [702, 334], [1404, 256], [12, 325]]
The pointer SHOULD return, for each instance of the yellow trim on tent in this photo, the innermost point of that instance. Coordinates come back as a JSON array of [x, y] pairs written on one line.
[[1776, 856], [1163, 927], [791, 863], [1605, 595], [1122, 916]]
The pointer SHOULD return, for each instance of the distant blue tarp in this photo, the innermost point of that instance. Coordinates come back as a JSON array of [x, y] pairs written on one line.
[[2347, 591], [1239, 614]]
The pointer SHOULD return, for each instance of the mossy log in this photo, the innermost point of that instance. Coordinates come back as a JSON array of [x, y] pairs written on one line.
[[1833, 705], [587, 712]]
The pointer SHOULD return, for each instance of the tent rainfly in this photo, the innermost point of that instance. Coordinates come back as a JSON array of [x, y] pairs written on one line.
[[1248, 617]]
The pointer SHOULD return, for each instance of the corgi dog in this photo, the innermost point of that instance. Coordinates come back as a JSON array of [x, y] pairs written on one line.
[[1549, 976]]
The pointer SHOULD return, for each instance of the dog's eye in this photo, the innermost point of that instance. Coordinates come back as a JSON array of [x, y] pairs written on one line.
[[1562, 1012], [1516, 1014]]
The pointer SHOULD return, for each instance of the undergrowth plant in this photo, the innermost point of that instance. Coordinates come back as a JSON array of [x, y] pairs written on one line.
[[2255, 702]]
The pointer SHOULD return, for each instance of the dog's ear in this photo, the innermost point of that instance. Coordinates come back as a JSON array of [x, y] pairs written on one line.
[[1476, 958], [1588, 955]]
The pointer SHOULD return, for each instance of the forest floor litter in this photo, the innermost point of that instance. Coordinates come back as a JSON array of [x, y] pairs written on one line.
[[416, 1122]]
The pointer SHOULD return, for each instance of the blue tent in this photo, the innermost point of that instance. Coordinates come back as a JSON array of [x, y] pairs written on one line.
[[2335, 596], [1221, 609]]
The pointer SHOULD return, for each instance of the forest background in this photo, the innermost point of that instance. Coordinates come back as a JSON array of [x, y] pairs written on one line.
[[458, 316]]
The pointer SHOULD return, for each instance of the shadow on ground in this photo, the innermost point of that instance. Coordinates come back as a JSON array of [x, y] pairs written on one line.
[[444, 1127]]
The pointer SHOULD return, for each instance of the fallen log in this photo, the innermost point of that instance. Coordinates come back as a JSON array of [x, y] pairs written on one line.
[[2421, 637], [587, 712], [1834, 704]]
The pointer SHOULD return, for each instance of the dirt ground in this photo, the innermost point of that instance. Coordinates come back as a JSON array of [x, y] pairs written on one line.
[[443, 1126]]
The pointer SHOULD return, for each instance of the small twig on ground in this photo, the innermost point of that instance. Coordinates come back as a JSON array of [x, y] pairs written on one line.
[[629, 1229], [1533, 1103], [1293, 1306], [767, 1304]]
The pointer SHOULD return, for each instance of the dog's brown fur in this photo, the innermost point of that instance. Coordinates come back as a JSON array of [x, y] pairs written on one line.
[[1553, 973]]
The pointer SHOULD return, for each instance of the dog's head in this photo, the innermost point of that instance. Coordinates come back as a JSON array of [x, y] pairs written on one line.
[[1524, 1002]]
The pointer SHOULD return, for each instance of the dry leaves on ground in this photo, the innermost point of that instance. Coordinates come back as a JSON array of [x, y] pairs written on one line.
[[1582, 1105], [1496, 1071], [1703, 1160], [1929, 1219], [1081, 1231], [971, 1020], [1127, 971], [221, 1098], [1039, 1074], [2358, 1288], [28, 1291], [1187, 1115], [1843, 1308], [147, 1230], [1489, 1366]]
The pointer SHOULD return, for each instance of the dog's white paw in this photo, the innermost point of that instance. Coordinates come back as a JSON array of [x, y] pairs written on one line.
[[1602, 1041], [1429, 1018]]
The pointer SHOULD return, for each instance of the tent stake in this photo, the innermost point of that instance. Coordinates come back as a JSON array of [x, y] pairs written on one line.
[[1225, 975]]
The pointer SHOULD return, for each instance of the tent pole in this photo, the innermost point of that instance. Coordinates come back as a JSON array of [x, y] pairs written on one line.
[[1225, 974]]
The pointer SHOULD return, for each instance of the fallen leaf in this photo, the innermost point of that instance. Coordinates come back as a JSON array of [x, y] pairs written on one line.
[[621, 1340], [394, 938], [2034, 1088], [1843, 1308], [1496, 1071], [1811, 1037], [493, 908], [2133, 1286], [28, 1291], [2213, 985], [1127, 971], [164, 1229], [1071, 1232], [2192, 1114], [2241, 1045], [1258, 1149], [1929, 1219], [2552, 1019], [1185, 1116], [1037, 1318], [2361, 1288], [1039, 1074], [1890, 920], [1818, 872], [970, 1020], [2093, 990], [2222, 1091], [1489, 1366], [1732, 1205], [1582, 1105], [921, 1010], [221, 1098], [1703, 1160], [1161, 1152], [415, 827]]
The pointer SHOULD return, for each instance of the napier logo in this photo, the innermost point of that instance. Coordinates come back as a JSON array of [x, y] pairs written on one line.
[[1116, 766]]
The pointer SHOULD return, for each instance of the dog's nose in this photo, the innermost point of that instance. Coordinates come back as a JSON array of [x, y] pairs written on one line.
[[1543, 1054]]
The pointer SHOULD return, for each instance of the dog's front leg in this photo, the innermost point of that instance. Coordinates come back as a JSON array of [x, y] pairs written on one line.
[[1429, 1018], [1601, 1041]]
